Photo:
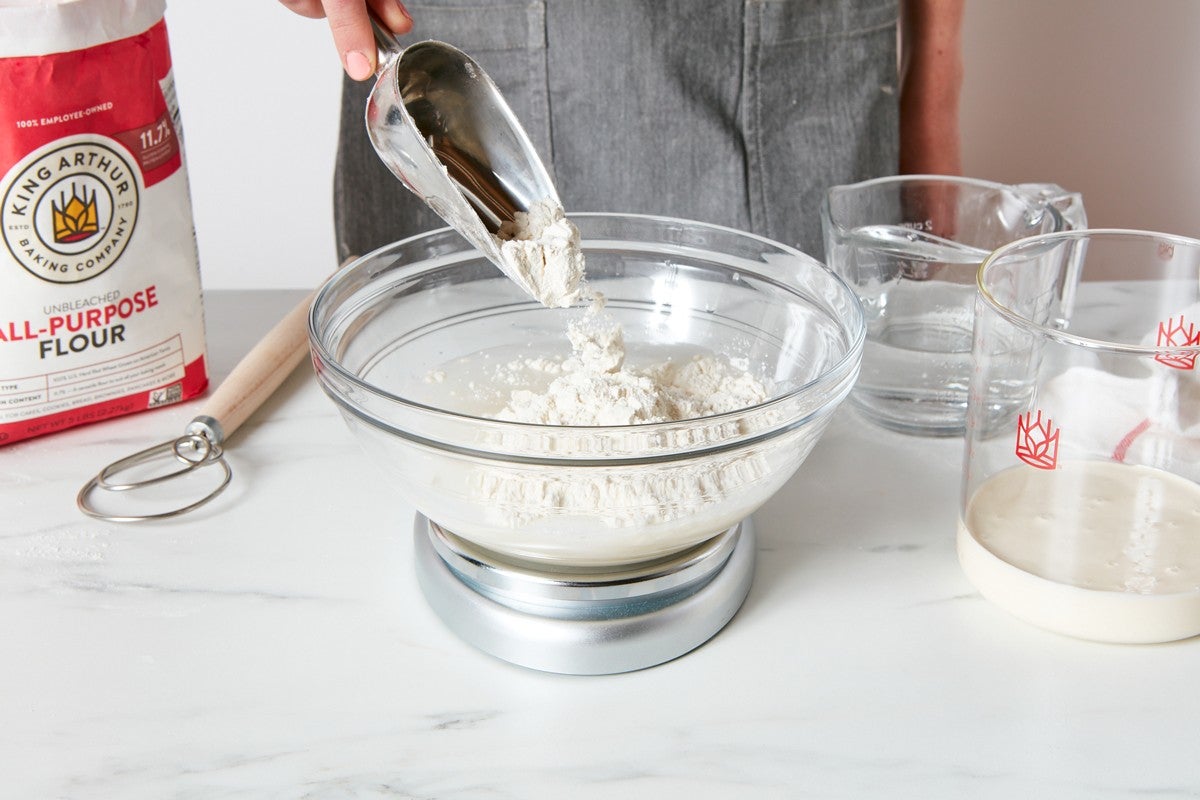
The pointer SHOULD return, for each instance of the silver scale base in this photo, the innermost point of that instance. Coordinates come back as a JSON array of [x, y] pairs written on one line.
[[584, 622]]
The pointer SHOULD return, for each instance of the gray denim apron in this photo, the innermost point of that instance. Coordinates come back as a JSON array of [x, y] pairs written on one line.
[[736, 112]]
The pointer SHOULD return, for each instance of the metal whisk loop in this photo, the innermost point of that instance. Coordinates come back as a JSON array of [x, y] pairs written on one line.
[[197, 448], [251, 382], [192, 450]]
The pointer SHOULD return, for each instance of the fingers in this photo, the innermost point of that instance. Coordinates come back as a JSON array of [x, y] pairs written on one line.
[[351, 28], [393, 14], [352, 36]]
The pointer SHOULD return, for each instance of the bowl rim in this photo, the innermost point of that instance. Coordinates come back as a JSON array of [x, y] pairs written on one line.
[[1011, 253], [847, 362]]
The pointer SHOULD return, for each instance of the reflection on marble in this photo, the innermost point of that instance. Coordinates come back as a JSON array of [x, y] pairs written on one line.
[[274, 645]]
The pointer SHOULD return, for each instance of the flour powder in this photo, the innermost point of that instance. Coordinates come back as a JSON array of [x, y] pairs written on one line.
[[541, 246], [594, 386]]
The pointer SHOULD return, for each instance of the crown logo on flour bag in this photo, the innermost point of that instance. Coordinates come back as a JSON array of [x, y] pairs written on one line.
[[76, 219], [71, 240], [100, 305]]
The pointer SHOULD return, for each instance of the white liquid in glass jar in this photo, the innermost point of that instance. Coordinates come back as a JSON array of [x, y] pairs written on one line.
[[1097, 550]]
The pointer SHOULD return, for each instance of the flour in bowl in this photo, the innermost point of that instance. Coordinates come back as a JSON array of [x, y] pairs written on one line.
[[558, 491], [655, 507], [595, 387], [677, 501], [542, 246]]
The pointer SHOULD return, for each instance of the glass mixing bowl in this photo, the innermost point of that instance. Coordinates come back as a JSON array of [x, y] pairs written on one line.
[[406, 342]]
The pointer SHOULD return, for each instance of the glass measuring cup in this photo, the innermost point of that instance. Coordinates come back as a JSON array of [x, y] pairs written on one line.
[[1081, 489], [910, 246]]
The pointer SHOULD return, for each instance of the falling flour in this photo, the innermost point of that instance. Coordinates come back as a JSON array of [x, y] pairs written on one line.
[[676, 500]]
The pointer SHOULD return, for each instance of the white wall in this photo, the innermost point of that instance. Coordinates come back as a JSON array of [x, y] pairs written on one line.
[[1099, 96], [258, 92]]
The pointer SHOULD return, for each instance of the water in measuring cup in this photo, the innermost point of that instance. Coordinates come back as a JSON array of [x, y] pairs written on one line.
[[903, 242], [918, 293]]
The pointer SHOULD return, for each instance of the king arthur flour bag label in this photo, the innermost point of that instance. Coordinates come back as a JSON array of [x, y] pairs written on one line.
[[100, 306]]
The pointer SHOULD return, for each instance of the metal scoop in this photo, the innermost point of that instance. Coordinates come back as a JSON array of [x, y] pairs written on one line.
[[442, 127]]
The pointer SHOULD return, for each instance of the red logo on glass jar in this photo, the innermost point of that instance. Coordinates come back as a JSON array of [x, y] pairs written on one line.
[[1177, 334], [1037, 441]]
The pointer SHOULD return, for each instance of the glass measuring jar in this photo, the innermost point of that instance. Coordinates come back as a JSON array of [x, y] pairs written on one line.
[[1081, 486], [910, 246]]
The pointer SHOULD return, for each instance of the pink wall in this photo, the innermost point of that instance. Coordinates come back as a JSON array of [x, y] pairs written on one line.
[[1099, 96]]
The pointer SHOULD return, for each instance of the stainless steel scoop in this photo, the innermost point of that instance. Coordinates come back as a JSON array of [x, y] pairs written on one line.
[[442, 127]]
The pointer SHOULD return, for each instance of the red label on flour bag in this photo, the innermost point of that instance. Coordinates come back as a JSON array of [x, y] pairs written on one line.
[[100, 305]]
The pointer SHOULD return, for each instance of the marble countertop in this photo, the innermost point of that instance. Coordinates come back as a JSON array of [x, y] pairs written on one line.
[[274, 644]]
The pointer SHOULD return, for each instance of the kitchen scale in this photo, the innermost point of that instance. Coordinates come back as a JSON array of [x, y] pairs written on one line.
[[584, 621]]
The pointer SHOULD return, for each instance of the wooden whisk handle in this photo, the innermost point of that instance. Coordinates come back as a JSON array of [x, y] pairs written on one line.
[[260, 372]]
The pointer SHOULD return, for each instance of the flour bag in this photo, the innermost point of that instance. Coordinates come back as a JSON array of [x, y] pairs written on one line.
[[100, 305]]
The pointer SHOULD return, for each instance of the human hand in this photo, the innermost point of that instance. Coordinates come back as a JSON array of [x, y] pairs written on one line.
[[351, 28]]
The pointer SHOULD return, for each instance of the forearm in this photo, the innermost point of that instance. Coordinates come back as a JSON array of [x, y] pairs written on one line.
[[931, 76]]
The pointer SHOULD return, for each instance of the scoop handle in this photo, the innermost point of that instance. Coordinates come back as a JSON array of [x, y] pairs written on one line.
[[256, 376], [387, 46]]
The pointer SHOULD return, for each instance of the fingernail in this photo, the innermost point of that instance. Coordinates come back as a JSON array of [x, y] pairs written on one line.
[[404, 11], [358, 66]]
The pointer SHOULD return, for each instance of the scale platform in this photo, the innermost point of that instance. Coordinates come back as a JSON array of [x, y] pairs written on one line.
[[584, 622]]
